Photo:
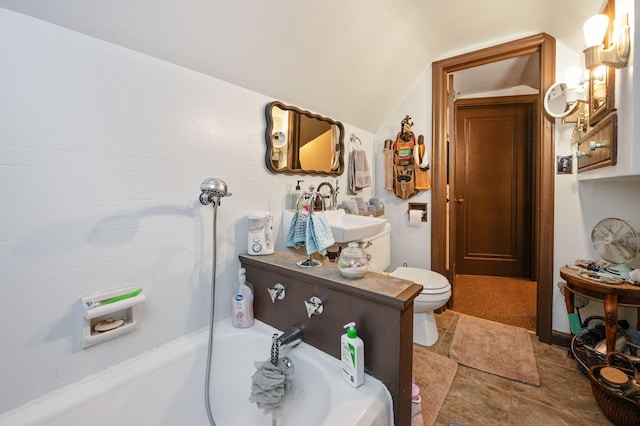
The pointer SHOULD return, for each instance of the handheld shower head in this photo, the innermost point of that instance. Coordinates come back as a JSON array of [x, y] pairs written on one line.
[[212, 190]]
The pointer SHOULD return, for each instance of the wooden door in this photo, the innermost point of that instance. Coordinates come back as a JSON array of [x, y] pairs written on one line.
[[492, 191]]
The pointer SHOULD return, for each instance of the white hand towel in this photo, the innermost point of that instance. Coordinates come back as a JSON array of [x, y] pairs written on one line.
[[362, 174], [358, 175], [351, 175]]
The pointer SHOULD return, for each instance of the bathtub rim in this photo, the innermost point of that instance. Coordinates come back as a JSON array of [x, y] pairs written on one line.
[[40, 409]]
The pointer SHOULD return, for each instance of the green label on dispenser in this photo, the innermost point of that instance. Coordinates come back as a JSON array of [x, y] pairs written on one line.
[[352, 350]]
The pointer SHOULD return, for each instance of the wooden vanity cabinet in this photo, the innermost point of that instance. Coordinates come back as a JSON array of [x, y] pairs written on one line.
[[381, 306]]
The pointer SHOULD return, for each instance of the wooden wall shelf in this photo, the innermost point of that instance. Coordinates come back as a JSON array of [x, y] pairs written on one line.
[[605, 133]]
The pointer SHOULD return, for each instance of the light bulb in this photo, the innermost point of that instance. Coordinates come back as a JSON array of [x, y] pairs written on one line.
[[574, 76], [594, 29]]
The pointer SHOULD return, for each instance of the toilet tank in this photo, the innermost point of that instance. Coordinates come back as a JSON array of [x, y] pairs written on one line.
[[379, 249]]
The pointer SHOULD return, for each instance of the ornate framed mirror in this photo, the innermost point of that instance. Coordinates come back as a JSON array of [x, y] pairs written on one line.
[[301, 142]]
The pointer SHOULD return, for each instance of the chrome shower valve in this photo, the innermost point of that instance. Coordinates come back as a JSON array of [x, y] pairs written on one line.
[[315, 306], [277, 292]]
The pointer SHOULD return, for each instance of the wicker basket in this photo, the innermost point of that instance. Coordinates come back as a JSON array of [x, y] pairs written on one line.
[[622, 411], [586, 356], [377, 213], [584, 353]]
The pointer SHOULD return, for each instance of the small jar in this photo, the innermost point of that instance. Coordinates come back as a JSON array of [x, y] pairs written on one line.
[[353, 261], [618, 382]]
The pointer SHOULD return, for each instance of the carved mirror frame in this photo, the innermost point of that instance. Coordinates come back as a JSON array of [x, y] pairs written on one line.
[[274, 139]]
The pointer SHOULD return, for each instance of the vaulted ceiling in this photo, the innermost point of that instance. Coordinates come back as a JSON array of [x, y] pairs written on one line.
[[352, 60]]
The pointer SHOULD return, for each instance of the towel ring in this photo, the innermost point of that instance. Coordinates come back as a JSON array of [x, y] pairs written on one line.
[[354, 139]]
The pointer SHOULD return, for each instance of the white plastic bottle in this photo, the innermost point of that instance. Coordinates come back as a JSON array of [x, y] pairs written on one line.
[[242, 303], [293, 204], [352, 349]]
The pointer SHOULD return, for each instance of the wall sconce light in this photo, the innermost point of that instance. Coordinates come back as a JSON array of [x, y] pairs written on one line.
[[617, 54], [577, 94], [577, 88]]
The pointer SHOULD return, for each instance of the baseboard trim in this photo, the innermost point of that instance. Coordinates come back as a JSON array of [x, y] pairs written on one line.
[[560, 339]]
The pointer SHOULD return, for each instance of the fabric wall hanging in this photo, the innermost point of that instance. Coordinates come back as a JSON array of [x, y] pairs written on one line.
[[406, 168]]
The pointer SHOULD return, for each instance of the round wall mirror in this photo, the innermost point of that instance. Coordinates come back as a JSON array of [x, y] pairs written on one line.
[[555, 101], [278, 139]]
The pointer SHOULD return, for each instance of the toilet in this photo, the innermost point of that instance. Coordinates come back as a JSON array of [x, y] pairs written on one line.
[[435, 293]]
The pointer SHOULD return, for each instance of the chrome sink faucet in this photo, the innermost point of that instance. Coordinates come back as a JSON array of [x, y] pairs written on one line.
[[291, 337], [332, 194]]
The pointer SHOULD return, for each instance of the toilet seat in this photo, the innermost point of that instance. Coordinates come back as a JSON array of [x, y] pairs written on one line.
[[432, 282]]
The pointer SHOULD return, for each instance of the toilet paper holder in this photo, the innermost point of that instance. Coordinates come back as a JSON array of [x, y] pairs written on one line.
[[418, 206]]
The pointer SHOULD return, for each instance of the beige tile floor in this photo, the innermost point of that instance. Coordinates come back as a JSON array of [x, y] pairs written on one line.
[[477, 398]]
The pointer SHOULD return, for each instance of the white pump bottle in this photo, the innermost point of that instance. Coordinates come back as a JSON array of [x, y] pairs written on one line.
[[352, 350], [242, 303]]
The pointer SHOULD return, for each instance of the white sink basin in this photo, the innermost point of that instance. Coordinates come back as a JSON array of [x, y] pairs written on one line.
[[344, 227]]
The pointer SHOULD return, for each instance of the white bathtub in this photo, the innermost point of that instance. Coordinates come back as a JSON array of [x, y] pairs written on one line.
[[165, 386]]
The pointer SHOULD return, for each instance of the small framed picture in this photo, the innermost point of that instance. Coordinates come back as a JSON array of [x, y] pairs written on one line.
[[564, 164]]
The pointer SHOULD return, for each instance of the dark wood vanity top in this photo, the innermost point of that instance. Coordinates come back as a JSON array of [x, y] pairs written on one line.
[[381, 288]]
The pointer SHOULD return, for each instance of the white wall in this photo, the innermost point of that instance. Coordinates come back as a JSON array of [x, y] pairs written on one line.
[[410, 242], [102, 152], [626, 92], [578, 205], [582, 200]]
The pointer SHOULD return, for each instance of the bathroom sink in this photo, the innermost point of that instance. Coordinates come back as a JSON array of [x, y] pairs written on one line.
[[344, 227]]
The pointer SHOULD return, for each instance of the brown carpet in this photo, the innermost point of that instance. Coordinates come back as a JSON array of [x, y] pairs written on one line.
[[506, 300], [495, 348], [434, 374]]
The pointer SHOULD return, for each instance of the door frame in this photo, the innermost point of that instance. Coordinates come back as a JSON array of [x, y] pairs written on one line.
[[544, 165]]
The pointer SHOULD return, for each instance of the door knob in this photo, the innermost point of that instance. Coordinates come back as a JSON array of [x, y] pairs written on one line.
[[458, 200]]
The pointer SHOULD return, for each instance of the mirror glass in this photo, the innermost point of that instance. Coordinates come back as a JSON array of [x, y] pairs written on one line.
[[300, 142], [600, 100], [555, 101], [602, 79]]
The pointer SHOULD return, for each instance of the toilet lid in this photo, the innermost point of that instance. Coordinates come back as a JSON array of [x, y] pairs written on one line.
[[432, 282]]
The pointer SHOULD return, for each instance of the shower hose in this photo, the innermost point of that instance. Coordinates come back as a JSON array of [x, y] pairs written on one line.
[[207, 385], [212, 310]]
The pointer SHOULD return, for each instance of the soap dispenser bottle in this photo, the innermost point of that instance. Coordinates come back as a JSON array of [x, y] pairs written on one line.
[[295, 194], [352, 350], [242, 303]]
